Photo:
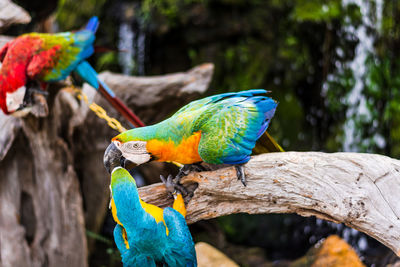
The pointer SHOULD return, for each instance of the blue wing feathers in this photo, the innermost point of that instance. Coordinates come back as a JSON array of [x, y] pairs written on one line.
[[239, 159], [247, 93], [259, 109], [180, 251]]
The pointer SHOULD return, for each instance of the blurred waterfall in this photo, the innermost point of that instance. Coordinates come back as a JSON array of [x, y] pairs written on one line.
[[358, 111], [132, 41], [126, 48], [356, 100], [141, 48]]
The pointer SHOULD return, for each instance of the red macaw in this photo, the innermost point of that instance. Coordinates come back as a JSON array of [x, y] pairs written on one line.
[[44, 58]]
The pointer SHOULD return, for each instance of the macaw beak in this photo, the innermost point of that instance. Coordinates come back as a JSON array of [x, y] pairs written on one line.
[[113, 158]]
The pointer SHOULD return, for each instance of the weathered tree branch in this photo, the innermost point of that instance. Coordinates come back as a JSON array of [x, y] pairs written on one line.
[[11, 13], [360, 190]]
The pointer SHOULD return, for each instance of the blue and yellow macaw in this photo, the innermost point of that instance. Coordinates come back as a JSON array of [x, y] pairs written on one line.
[[220, 129], [145, 234]]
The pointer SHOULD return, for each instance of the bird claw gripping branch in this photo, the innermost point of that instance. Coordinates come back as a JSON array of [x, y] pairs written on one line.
[[186, 169], [174, 188]]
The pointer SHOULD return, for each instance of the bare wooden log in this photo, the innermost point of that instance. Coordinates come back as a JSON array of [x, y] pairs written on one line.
[[41, 211], [359, 190], [10, 127], [11, 13]]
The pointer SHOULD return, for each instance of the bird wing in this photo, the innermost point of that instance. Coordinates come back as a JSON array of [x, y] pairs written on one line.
[[60, 54], [131, 256], [231, 123], [180, 248]]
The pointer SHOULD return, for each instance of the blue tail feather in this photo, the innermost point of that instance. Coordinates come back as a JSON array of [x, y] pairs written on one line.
[[92, 24], [108, 89], [89, 75]]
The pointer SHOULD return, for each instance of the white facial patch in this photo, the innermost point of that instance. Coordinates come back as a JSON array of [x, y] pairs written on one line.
[[134, 151], [14, 100]]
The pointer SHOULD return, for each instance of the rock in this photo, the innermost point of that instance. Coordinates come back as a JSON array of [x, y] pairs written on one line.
[[332, 252], [208, 256], [396, 264]]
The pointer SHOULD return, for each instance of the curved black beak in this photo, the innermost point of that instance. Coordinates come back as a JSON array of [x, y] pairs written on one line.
[[113, 158]]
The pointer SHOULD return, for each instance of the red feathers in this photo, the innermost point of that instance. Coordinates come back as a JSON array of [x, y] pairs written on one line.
[[43, 62], [16, 56]]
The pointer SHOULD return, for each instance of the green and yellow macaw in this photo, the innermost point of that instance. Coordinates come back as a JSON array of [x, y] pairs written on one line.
[[220, 129], [145, 234]]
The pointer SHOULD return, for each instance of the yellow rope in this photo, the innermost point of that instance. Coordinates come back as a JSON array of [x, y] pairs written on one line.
[[99, 111]]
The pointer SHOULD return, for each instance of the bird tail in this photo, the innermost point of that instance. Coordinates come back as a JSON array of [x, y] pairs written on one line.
[[89, 75], [266, 144], [92, 24]]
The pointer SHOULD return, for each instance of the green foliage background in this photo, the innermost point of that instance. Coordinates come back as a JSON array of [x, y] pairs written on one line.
[[288, 47]]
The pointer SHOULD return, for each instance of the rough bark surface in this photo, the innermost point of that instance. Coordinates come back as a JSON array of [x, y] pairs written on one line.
[[359, 190], [52, 181], [10, 14], [41, 209]]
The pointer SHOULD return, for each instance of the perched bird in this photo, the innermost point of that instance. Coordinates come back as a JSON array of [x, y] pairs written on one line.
[[43, 58], [145, 234], [220, 129]]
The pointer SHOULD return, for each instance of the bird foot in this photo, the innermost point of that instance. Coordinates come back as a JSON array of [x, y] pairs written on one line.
[[186, 169], [173, 187], [40, 107], [240, 174]]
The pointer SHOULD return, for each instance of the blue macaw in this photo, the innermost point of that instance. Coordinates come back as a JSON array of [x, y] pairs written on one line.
[[145, 234]]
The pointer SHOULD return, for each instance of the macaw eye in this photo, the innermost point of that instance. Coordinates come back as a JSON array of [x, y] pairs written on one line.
[[117, 143]]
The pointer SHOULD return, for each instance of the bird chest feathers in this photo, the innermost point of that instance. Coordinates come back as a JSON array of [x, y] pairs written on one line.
[[185, 152]]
